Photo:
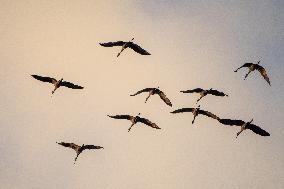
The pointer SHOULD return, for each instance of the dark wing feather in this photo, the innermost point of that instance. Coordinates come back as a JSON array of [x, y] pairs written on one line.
[[197, 90], [216, 93], [164, 98], [256, 129], [128, 117], [90, 147], [70, 85], [138, 49], [69, 145], [263, 73], [209, 114], [141, 91], [231, 122], [182, 110], [111, 44], [44, 79], [147, 122]]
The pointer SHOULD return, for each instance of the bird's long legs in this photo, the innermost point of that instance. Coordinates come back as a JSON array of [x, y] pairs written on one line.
[[53, 91], [131, 126], [76, 157], [200, 99], [120, 52], [247, 75], [147, 98], [238, 133], [194, 118]]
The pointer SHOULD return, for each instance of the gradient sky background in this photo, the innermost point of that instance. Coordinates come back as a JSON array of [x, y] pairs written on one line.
[[193, 44]]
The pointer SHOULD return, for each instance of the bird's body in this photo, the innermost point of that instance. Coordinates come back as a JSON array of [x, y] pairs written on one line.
[[252, 67], [78, 149], [153, 91], [135, 119], [204, 92], [244, 125], [124, 45], [196, 112], [57, 83]]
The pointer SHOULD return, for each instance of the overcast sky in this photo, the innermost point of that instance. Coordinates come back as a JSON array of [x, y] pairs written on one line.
[[193, 44]]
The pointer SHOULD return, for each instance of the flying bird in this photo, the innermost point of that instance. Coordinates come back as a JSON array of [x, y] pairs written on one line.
[[244, 125], [56, 83], [204, 92], [125, 45], [252, 67], [153, 91], [135, 119], [77, 148], [195, 112]]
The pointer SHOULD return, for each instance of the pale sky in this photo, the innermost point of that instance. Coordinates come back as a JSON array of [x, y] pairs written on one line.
[[193, 44]]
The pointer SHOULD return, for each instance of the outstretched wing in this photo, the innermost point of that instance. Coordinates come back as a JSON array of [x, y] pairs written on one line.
[[197, 90], [44, 79], [147, 122], [70, 85], [256, 129], [128, 117], [111, 44], [164, 98], [209, 114], [182, 110], [216, 93], [138, 49], [245, 65], [263, 73], [69, 145], [90, 147], [231, 122], [141, 91]]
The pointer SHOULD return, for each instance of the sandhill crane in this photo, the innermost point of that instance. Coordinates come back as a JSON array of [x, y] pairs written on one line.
[[153, 91], [204, 92], [125, 45], [135, 119], [195, 112], [252, 67], [77, 148], [56, 83], [244, 125]]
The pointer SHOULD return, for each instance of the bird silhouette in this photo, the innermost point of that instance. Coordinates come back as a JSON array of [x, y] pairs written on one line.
[[252, 67], [78, 149], [244, 125], [135, 119], [153, 91], [196, 112], [124, 45], [204, 92], [56, 83]]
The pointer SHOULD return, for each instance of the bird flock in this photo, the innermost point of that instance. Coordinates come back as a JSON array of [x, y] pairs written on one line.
[[152, 91]]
